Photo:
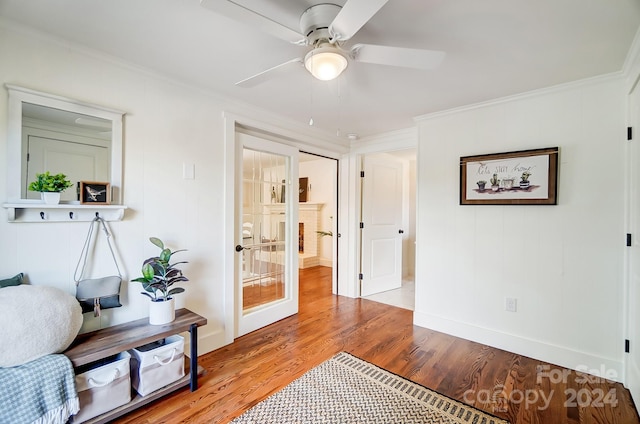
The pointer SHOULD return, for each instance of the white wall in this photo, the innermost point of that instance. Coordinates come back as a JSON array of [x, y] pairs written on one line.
[[563, 263], [167, 124], [322, 174]]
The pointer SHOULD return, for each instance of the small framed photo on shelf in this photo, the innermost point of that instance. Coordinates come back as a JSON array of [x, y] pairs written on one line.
[[94, 193]]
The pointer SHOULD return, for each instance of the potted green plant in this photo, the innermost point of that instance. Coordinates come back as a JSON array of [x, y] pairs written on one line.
[[50, 186], [158, 277]]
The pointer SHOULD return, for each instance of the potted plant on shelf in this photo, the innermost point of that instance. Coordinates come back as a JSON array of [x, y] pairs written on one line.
[[50, 186], [158, 276]]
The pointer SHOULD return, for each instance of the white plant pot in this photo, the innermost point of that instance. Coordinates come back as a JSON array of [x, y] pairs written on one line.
[[50, 197], [161, 313]]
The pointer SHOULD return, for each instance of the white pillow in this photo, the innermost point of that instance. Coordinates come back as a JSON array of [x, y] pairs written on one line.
[[36, 321]]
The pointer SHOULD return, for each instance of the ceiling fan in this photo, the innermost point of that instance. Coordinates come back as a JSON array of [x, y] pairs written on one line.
[[325, 28]]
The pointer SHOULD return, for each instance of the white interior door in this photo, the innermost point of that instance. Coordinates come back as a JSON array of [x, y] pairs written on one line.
[[78, 161], [267, 233], [633, 298], [382, 231]]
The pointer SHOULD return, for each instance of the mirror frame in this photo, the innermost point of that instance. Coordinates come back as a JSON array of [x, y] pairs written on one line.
[[19, 95]]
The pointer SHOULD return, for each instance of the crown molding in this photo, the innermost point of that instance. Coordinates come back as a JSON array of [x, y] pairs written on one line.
[[614, 76]]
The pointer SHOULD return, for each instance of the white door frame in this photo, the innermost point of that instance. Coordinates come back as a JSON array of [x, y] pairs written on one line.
[[349, 253], [308, 143], [631, 369]]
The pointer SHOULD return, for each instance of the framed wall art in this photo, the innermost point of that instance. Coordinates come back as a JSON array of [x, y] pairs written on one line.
[[303, 190], [94, 193], [526, 177]]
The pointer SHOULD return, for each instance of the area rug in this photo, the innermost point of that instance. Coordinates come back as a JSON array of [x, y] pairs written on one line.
[[348, 390]]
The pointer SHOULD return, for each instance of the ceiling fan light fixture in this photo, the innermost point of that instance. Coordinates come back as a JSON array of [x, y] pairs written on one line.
[[325, 63]]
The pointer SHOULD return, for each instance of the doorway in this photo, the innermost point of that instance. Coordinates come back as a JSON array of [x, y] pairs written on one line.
[[318, 211], [237, 321], [403, 293]]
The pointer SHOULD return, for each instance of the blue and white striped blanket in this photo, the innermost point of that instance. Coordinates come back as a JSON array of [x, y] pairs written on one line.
[[41, 391]]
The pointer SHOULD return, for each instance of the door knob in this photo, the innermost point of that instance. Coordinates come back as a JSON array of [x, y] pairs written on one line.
[[400, 231], [239, 248]]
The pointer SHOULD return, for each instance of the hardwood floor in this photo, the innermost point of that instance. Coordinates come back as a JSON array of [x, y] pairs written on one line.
[[520, 389], [260, 294]]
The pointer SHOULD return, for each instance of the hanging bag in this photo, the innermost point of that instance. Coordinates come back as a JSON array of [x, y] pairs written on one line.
[[95, 294]]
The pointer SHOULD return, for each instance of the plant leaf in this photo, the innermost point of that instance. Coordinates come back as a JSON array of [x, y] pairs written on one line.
[[175, 291], [157, 242], [165, 255], [140, 280], [148, 272]]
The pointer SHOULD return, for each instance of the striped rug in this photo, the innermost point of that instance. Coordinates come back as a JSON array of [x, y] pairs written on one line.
[[348, 390]]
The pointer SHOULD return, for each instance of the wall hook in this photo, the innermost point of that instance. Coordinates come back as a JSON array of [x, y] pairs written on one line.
[[71, 215], [97, 214], [41, 215]]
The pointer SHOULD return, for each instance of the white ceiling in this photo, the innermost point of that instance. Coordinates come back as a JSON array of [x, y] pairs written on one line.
[[494, 48]]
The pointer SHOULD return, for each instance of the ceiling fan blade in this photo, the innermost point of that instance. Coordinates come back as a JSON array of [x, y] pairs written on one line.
[[240, 13], [353, 15], [263, 76], [397, 56]]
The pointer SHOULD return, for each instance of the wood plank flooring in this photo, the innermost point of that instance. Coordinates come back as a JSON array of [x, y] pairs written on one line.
[[520, 389]]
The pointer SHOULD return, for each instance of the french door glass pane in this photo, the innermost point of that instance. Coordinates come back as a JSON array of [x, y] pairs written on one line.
[[263, 228]]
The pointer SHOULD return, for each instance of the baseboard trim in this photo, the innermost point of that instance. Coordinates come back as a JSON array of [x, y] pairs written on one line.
[[326, 262], [553, 354], [207, 342], [631, 381]]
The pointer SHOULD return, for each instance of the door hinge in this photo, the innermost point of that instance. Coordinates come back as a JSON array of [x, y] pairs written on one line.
[[362, 225], [360, 276], [628, 240], [361, 174], [626, 345], [28, 157], [629, 134]]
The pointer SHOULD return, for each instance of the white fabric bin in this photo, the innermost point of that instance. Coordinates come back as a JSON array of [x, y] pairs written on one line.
[[103, 386], [157, 364]]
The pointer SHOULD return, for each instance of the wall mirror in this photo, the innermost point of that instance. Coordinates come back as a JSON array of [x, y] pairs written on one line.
[[46, 132]]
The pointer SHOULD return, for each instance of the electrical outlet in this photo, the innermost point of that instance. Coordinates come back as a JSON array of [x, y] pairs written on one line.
[[510, 304]]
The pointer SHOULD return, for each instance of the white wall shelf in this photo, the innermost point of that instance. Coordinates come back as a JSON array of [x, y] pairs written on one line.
[[63, 212]]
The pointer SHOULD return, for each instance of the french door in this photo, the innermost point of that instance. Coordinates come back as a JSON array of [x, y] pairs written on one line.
[[266, 285]]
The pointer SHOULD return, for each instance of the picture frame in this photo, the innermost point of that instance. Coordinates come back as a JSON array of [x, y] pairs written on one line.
[[303, 189], [525, 177], [94, 193]]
